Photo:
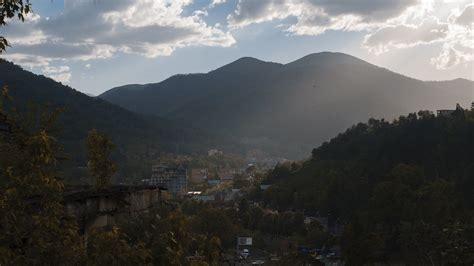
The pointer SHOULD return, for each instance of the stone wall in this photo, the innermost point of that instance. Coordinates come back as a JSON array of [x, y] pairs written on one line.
[[104, 207]]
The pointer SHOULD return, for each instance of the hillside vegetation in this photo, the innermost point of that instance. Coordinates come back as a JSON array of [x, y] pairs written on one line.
[[404, 190], [138, 138]]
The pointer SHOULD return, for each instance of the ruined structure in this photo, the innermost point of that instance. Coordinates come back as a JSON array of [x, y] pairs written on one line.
[[95, 208]]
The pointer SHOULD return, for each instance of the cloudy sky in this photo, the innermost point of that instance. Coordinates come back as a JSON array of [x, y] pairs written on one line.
[[95, 45]]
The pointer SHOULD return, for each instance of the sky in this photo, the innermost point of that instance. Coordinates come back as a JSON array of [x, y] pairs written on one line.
[[95, 45]]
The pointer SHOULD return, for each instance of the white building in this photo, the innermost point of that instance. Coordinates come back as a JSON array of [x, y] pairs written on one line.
[[174, 178]]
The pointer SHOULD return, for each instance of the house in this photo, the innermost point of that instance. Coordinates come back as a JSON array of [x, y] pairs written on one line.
[[204, 198], [448, 112], [213, 152], [228, 194], [226, 175], [198, 175], [213, 183], [173, 178], [445, 113]]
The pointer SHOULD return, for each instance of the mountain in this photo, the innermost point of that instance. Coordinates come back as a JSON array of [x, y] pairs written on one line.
[[136, 136], [456, 87], [300, 104]]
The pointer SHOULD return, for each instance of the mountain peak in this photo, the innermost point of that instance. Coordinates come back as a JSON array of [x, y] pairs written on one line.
[[247, 65], [326, 59], [248, 60]]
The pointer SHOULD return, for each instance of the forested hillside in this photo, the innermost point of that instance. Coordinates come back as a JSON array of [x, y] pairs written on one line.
[[404, 190], [137, 137]]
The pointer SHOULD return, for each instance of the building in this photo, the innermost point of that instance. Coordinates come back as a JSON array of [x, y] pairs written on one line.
[[198, 175], [448, 112], [228, 195], [445, 113], [214, 152], [204, 198], [226, 175], [213, 182], [173, 178]]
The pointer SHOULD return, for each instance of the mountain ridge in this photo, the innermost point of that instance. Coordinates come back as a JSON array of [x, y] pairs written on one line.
[[303, 102], [356, 60], [128, 130]]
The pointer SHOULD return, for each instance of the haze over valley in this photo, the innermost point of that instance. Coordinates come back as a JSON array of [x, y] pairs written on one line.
[[237, 132], [303, 103]]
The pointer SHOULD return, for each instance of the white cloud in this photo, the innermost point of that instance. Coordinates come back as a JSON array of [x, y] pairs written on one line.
[[216, 2], [465, 17], [456, 35], [56, 70], [86, 31], [250, 12], [316, 16], [458, 46], [61, 77], [404, 36], [59, 73], [389, 24]]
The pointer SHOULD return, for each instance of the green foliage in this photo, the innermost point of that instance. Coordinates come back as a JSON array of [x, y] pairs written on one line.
[[111, 247], [402, 189], [99, 148], [173, 236], [34, 227]]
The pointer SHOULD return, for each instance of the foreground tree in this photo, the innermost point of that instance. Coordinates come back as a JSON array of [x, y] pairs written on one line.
[[34, 227], [99, 148], [111, 247], [10, 9]]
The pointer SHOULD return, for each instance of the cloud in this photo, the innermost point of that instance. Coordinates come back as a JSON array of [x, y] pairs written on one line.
[[466, 17], [389, 24], [59, 73], [404, 36], [456, 36], [315, 16], [458, 46], [367, 10], [250, 12], [216, 2], [86, 31]]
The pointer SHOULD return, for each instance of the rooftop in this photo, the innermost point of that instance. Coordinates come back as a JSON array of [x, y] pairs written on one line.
[[82, 192]]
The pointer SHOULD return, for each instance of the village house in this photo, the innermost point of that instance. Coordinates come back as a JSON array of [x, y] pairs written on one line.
[[214, 152], [226, 175], [198, 175]]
